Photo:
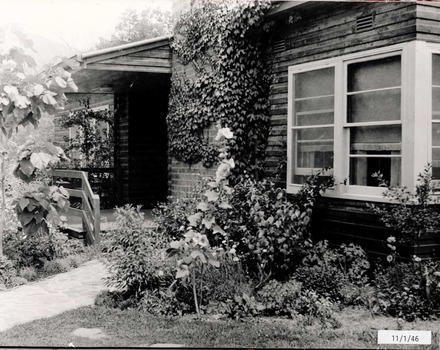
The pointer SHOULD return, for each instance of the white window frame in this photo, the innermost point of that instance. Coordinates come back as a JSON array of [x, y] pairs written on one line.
[[415, 118], [433, 49], [292, 128]]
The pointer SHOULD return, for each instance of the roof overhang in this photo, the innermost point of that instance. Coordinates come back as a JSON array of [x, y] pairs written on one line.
[[119, 68]]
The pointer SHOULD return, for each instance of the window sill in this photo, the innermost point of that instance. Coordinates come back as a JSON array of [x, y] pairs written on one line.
[[336, 193]]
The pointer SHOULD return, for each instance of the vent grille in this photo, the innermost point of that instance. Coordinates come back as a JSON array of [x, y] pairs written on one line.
[[279, 46], [364, 22]]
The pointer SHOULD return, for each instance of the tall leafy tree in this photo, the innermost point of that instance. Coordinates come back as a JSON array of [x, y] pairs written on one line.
[[134, 26], [27, 94]]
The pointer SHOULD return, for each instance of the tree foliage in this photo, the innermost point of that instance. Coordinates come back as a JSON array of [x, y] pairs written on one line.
[[132, 26], [26, 94]]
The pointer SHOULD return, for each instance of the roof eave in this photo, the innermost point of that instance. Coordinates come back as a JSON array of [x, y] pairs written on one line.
[[119, 48]]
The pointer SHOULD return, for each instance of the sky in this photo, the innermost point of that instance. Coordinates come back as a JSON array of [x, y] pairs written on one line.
[[78, 24]]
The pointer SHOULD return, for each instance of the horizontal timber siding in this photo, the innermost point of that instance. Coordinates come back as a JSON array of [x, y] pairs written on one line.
[[346, 221], [325, 30], [316, 31], [428, 22]]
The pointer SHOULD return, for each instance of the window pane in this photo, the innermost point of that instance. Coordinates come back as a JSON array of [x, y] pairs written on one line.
[[314, 83], [375, 138], [374, 106], [436, 163], [436, 134], [362, 170], [375, 74], [315, 155], [315, 111], [313, 107], [307, 119], [314, 148], [436, 70], [436, 103], [315, 134]]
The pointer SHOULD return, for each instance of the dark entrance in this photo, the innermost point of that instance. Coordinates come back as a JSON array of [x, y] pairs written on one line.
[[147, 144]]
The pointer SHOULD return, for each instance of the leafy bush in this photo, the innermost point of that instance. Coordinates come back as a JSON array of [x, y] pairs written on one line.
[[74, 261], [269, 230], [326, 271], [166, 302], [414, 214], [115, 300], [55, 266], [17, 281], [290, 299], [29, 273], [224, 282], [242, 305], [136, 255], [7, 271], [281, 299], [171, 217], [408, 290], [36, 249]]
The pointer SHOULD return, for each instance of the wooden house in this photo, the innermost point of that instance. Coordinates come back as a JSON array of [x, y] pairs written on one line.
[[356, 87]]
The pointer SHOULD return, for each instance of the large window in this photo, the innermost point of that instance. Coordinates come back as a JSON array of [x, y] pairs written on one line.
[[350, 113]]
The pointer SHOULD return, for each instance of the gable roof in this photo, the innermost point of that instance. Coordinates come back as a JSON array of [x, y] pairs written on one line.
[[118, 67]]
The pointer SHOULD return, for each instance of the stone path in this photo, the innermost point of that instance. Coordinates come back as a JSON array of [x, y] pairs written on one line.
[[52, 296]]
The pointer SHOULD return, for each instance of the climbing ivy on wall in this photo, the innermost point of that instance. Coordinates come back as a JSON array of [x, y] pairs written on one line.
[[223, 43]]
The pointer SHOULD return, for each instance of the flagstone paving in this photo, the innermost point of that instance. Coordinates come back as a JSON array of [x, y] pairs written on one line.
[[50, 297]]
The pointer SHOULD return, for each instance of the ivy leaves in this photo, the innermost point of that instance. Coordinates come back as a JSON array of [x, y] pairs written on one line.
[[225, 46]]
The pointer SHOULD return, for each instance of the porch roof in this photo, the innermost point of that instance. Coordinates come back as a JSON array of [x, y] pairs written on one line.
[[120, 67]]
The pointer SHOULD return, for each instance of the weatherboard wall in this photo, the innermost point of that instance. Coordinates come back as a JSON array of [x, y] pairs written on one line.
[[316, 31]]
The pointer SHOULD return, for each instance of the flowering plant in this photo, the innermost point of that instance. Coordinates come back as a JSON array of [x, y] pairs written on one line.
[[194, 250]]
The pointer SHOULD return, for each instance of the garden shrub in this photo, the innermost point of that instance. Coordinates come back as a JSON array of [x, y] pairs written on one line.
[[115, 300], [171, 217], [29, 273], [75, 261], [17, 281], [166, 302], [408, 290], [290, 299], [224, 282], [136, 257], [281, 299], [269, 230], [326, 271], [52, 267], [412, 214], [7, 271], [35, 250]]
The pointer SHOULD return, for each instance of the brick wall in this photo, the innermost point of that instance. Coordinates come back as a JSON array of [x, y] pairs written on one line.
[[122, 151], [182, 177]]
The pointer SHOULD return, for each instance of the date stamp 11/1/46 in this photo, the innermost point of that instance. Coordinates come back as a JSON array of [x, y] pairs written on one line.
[[412, 337]]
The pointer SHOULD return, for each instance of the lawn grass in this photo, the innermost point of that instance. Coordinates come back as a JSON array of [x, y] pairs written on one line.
[[130, 328]]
